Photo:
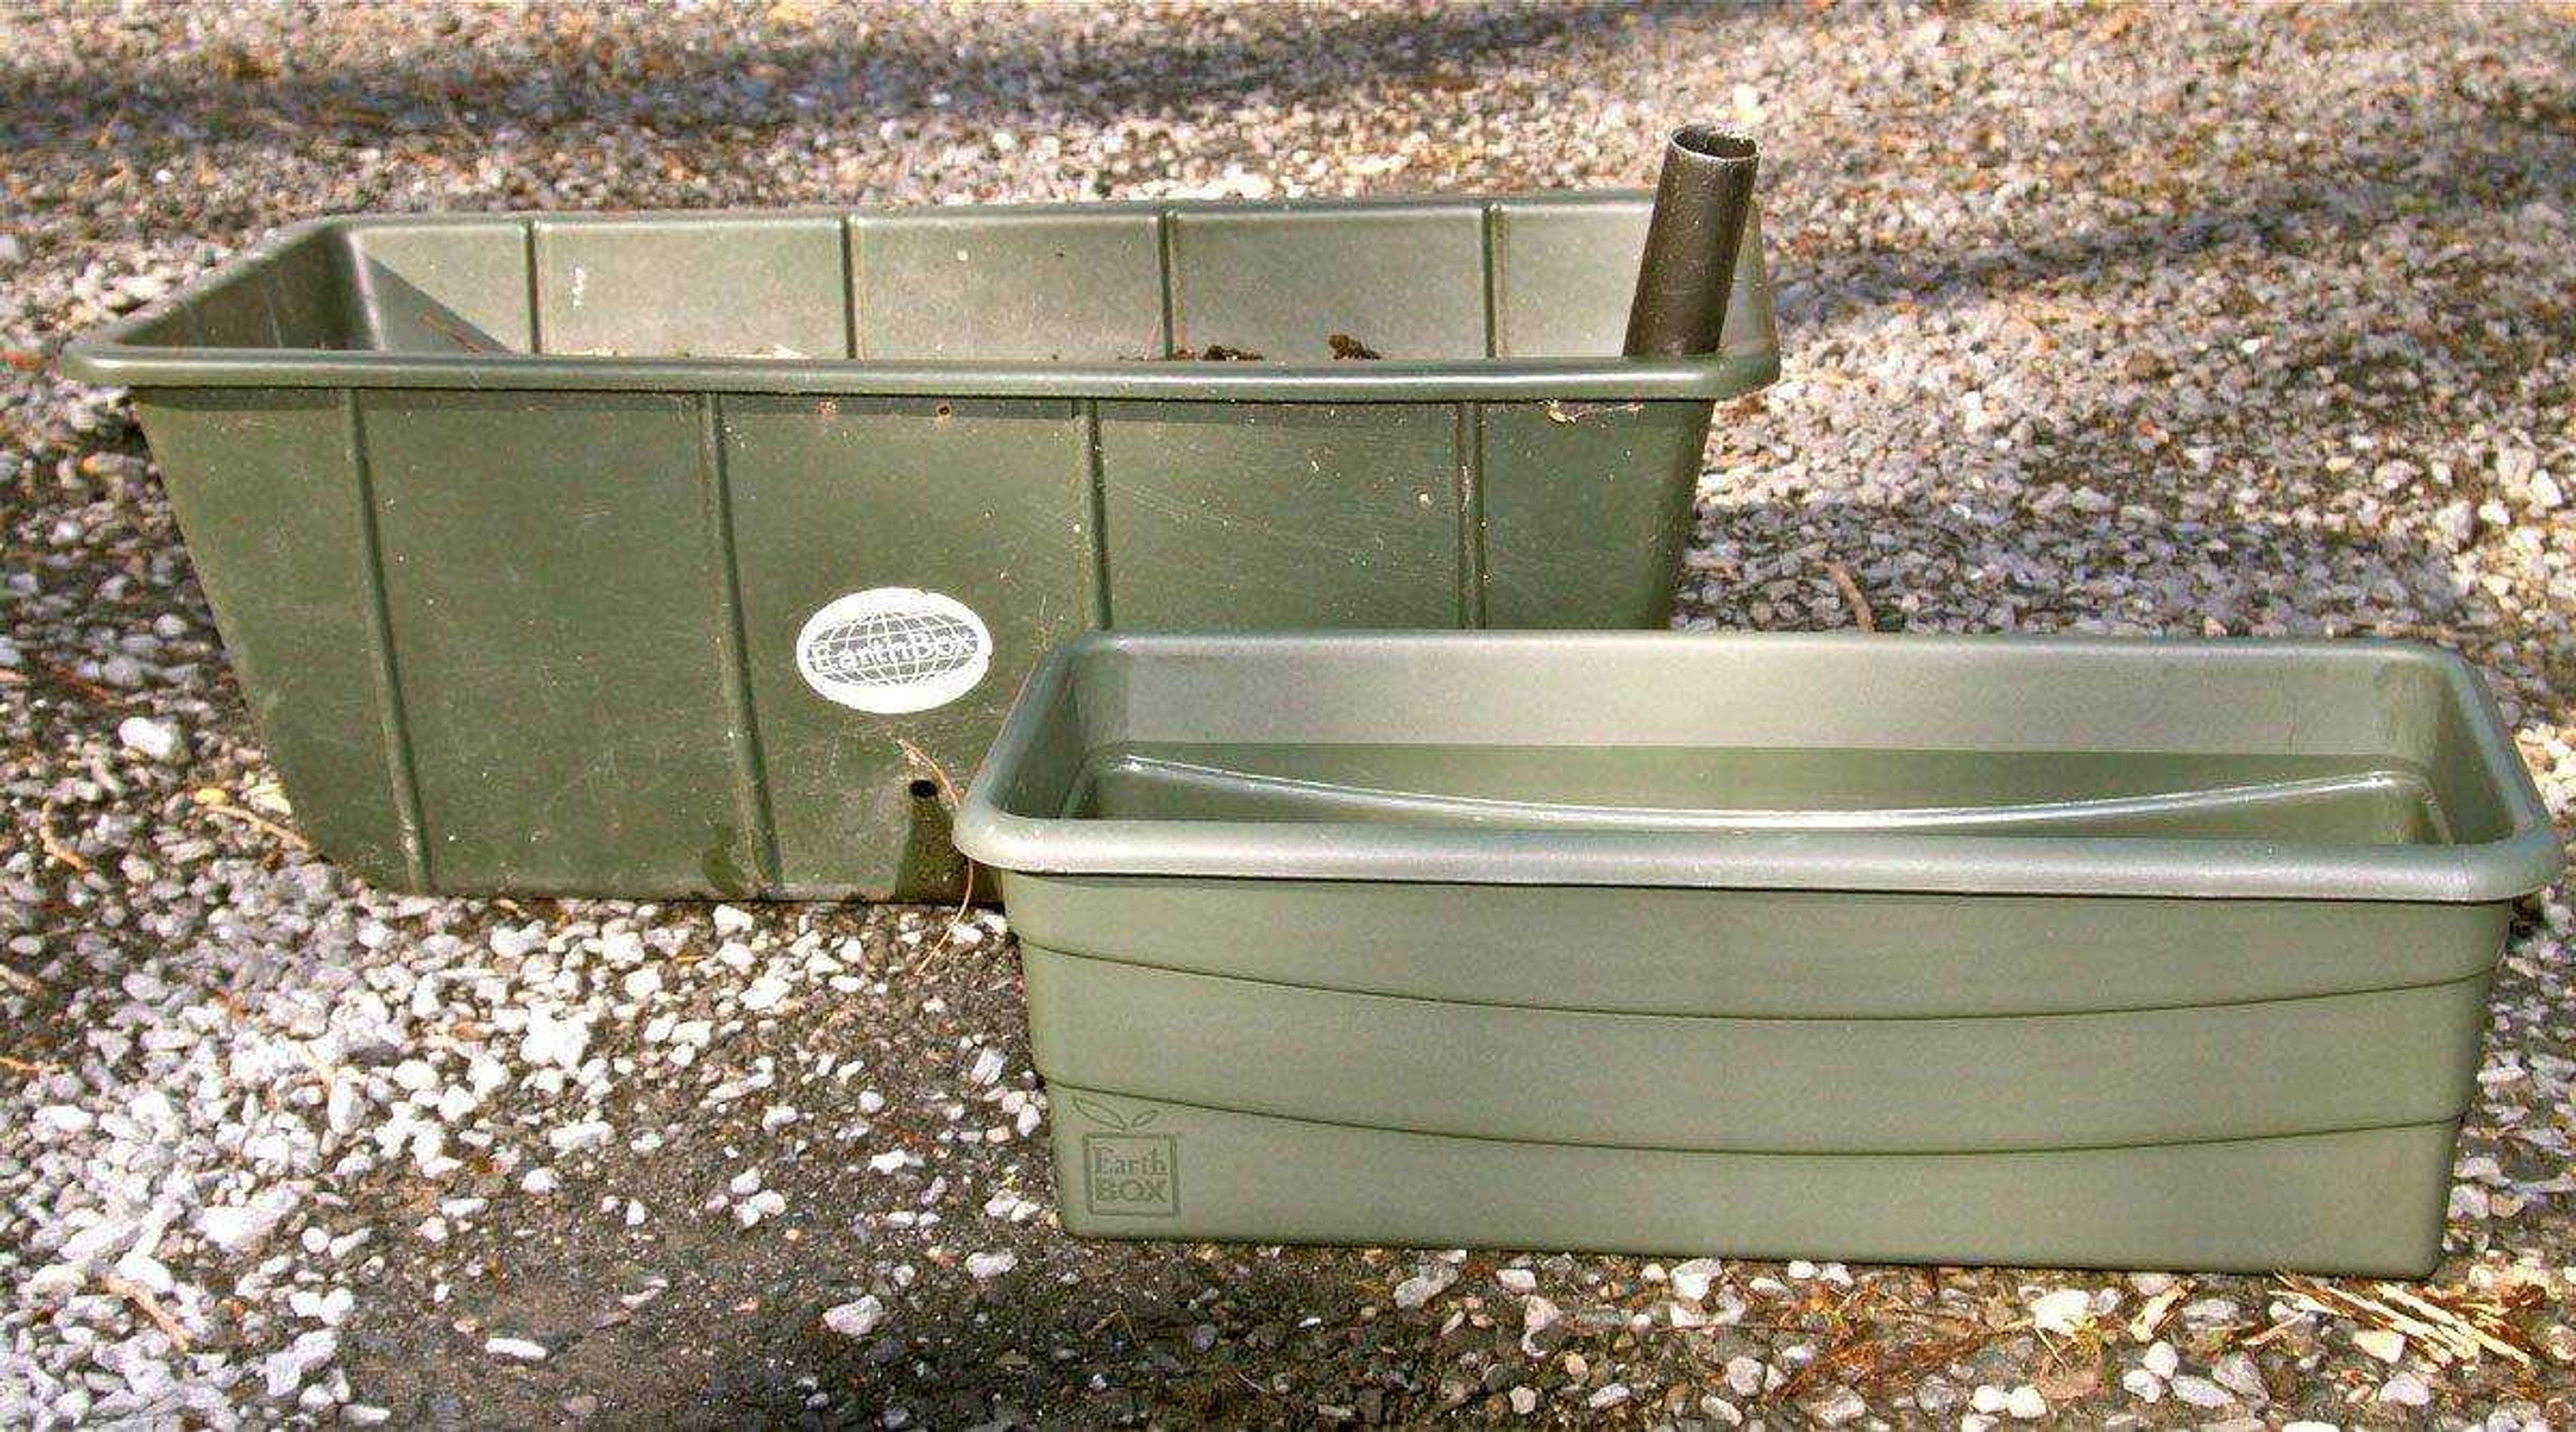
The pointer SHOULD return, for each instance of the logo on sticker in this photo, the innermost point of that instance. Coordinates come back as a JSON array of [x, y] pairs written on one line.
[[893, 650]]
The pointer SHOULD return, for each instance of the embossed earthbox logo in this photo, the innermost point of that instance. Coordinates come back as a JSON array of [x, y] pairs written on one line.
[[894, 650], [1130, 1173]]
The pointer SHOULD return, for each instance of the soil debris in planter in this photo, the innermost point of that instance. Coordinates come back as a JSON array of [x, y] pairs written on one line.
[[1349, 350]]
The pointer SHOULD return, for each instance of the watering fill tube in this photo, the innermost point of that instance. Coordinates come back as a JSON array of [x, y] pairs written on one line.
[[694, 554], [1940, 949]]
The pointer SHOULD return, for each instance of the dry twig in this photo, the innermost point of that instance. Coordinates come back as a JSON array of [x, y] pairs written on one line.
[[53, 846], [83, 686], [1858, 1354], [150, 1306], [1854, 599], [2447, 1325], [924, 766], [215, 801], [2152, 1316]]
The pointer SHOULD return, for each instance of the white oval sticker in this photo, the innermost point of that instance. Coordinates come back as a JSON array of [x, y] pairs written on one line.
[[892, 650]]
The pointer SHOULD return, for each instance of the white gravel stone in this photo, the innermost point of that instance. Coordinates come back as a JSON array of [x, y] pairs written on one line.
[[2199, 1392], [1427, 1283], [2064, 1311], [63, 1121], [282, 1372], [1839, 1407], [102, 1241], [556, 1040], [1691, 1280], [241, 1228], [1012, 1208], [1538, 1315], [515, 1349], [330, 1308], [579, 1137], [53, 1282], [855, 1319], [516, 942], [2237, 1373], [2406, 1390], [768, 1203], [764, 994], [151, 739], [983, 1267], [1744, 1375]]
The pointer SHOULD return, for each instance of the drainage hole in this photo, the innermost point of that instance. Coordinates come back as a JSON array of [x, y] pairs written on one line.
[[923, 788]]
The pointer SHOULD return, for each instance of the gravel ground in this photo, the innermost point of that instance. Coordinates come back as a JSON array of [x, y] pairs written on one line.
[[2136, 319]]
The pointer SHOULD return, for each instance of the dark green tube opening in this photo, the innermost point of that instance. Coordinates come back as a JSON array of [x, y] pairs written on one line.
[[1688, 267]]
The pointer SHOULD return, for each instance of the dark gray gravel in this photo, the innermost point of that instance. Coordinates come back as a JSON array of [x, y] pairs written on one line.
[[2142, 319]]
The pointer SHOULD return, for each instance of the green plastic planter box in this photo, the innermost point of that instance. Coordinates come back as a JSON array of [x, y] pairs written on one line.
[[2069, 952], [688, 554]]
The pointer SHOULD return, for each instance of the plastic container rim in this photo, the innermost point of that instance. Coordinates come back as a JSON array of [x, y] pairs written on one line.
[[108, 355], [2526, 859]]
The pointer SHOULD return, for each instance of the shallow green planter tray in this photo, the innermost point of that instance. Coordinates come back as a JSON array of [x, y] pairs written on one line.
[[517, 526], [2143, 954]]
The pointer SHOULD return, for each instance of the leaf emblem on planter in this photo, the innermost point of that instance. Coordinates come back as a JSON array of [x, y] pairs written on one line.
[[1100, 1113]]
